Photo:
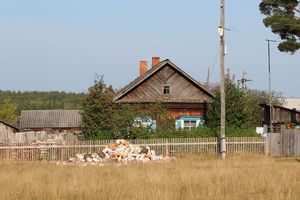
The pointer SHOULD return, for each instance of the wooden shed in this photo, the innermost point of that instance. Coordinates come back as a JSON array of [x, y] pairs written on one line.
[[280, 115], [50, 120], [168, 84], [6, 131]]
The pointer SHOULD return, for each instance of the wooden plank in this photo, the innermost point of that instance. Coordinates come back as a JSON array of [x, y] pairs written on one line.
[[182, 90]]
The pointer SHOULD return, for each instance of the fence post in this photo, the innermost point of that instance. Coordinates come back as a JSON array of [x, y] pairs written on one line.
[[282, 129], [62, 154], [265, 132], [266, 146], [167, 149]]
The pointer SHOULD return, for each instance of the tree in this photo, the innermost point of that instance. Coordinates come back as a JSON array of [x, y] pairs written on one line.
[[8, 111], [282, 16], [242, 107], [98, 109], [262, 97], [38, 100], [161, 115], [125, 126], [123, 120], [237, 114]]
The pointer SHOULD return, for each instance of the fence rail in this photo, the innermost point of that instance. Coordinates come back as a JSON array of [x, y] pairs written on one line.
[[173, 147]]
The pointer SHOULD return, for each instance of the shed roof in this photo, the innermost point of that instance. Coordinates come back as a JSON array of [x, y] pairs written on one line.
[[151, 72], [9, 125], [292, 103], [50, 119], [264, 105]]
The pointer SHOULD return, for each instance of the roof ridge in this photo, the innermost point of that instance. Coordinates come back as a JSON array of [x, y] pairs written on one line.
[[150, 72]]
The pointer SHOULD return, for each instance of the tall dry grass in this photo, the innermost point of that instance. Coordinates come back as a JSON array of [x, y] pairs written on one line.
[[192, 177]]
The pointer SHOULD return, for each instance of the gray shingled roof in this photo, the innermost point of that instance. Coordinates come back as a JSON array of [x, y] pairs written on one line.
[[150, 73], [50, 119]]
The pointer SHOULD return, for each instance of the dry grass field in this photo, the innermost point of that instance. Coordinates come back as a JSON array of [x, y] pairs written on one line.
[[191, 177]]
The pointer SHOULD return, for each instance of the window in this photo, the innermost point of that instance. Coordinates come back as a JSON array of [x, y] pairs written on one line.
[[190, 124], [145, 122], [166, 89]]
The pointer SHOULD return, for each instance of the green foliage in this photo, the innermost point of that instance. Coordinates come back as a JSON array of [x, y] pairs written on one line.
[[200, 132], [163, 119], [262, 97], [164, 122], [34, 100], [103, 119], [122, 124], [123, 121], [240, 132], [282, 19], [8, 112], [242, 109], [97, 114]]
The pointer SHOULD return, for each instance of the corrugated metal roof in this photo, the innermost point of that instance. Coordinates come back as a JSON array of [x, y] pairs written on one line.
[[50, 119]]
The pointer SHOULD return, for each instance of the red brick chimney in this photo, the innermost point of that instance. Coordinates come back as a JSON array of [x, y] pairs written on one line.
[[155, 61], [143, 67]]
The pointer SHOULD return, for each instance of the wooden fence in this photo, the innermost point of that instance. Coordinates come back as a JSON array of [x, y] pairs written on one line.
[[286, 143], [170, 147]]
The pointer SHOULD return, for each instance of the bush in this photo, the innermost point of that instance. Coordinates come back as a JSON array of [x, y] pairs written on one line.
[[201, 132]]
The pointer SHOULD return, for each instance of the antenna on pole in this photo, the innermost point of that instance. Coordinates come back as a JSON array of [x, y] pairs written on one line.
[[208, 76], [243, 81]]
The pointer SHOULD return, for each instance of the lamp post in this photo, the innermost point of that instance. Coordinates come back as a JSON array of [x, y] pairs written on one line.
[[270, 94]]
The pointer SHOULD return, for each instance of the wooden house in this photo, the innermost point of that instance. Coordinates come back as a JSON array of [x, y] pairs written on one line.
[[6, 131], [50, 120], [184, 97]]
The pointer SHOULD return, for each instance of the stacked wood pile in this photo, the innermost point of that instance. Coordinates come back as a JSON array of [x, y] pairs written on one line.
[[121, 151]]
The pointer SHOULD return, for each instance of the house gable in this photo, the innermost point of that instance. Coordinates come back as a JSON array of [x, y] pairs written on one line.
[[150, 87]]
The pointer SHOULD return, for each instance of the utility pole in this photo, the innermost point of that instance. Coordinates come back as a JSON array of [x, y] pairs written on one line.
[[270, 94], [222, 78]]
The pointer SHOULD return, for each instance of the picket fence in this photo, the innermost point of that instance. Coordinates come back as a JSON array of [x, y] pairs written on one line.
[[170, 147]]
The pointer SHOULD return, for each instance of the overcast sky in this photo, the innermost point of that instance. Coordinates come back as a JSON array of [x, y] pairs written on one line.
[[61, 44]]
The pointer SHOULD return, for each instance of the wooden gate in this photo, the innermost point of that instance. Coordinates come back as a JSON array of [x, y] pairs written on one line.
[[286, 143]]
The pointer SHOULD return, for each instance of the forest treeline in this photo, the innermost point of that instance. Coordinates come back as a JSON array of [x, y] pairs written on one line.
[[34, 100]]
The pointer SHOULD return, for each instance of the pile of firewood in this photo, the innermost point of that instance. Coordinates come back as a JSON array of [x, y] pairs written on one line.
[[121, 151]]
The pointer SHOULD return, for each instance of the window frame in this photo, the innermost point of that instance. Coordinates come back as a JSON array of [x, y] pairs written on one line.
[[166, 88]]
